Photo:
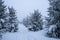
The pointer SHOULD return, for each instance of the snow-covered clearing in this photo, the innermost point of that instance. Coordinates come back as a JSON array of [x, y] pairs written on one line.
[[24, 34]]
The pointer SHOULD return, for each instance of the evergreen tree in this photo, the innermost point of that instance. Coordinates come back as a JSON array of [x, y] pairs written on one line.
[[2, 14], [54, 13], [26, 21], [13, 25], [34, 22], [2, 17]]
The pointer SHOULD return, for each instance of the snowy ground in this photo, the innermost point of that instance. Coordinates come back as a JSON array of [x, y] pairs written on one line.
[[23, 34]]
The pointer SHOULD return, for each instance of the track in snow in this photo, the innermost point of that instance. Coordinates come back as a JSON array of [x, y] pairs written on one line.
[[24, 34]]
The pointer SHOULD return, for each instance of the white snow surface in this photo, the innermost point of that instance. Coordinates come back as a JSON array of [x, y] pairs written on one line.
[[24, 34]]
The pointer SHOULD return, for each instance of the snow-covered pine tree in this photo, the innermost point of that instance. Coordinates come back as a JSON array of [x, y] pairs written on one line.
[[34, 21], [12, 20], [54, 13], [2, 15]]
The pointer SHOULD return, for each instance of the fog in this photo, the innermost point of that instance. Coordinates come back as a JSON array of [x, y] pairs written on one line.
[[25, 7]]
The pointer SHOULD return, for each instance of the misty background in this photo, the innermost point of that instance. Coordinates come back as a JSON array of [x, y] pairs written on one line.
[[25, 7]]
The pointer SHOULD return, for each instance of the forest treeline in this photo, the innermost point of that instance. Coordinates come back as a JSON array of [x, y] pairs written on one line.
[[34, 22], [8, 20]]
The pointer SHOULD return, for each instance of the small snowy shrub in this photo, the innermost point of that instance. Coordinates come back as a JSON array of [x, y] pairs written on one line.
[[54, 31], [51, 31]]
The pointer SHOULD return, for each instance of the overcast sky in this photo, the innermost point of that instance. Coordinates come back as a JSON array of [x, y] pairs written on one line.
[[25, 7]]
